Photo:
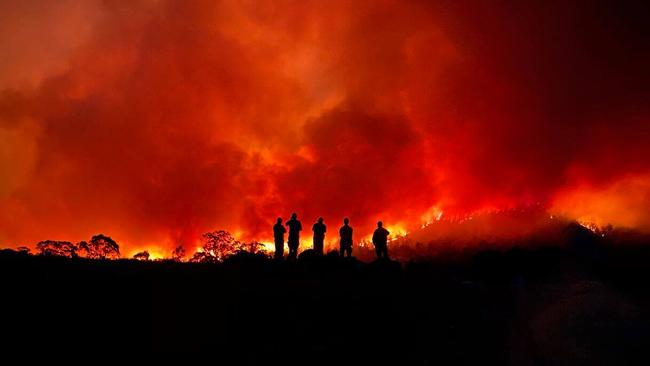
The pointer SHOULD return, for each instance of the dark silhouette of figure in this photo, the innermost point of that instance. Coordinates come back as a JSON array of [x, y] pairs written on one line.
[[294, 235], [319, 230], [346, 238], [380, 240], [278, 235]]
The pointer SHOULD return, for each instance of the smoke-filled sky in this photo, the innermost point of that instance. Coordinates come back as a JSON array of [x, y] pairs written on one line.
[[155, 121]]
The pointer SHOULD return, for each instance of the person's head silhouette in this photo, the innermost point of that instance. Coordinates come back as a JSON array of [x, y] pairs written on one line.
[[294, 216], [346, 221], [320, 220], [380, 224], [279, 220]]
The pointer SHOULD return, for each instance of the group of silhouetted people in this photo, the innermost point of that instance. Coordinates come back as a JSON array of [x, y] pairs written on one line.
[[379, 237]]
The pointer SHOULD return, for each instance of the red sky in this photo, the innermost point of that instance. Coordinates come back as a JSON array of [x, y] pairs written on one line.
[[154, 121]]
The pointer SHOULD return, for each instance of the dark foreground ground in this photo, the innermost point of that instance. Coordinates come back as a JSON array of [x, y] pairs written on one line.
[[547, 306]]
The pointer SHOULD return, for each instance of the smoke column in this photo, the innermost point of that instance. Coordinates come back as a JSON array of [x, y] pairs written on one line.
[[155, 121]]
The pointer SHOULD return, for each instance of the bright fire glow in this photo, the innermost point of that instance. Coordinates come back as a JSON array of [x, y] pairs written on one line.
[[154, 122]]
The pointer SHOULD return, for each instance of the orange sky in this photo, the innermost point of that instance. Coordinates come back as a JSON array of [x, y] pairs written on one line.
[[154, 121]]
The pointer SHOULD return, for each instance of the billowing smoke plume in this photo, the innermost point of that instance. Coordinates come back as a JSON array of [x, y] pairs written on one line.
[[160, 120]]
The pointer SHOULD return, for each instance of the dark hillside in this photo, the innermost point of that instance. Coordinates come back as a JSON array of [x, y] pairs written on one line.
[[546, 306]]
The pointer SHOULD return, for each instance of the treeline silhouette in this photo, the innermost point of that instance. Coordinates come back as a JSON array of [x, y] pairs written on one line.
[[217, 245], [99, 247]]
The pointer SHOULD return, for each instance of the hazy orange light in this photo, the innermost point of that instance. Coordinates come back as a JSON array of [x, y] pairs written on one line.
[[155, 128]]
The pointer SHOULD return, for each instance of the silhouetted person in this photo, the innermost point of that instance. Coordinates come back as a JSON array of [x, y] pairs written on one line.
[[294, 235], [278, 235], [380, 240], [319, 230], [346, 238]]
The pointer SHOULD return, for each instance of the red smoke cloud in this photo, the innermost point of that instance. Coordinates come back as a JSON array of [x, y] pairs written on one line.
[[171, 118]]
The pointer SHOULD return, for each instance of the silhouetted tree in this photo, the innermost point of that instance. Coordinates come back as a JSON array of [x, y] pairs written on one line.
[[178, 254], [82, 249], [100, 247], [25, 250], [142, 256], [58, 248], [219, 244]]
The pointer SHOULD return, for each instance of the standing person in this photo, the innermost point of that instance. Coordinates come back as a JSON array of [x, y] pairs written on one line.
[[346, 238], [319, 230], [380, 240], [294, 235], [278, 235]]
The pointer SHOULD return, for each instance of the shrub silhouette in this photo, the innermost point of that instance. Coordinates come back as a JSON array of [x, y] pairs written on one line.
[[251, 247], [203, 257], [142, 256]]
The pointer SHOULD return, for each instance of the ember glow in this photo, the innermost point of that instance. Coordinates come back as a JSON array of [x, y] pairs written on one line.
[[156, 121]]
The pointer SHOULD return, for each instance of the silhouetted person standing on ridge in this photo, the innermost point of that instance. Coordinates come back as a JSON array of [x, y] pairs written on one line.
[[346, 238], [278, 235], [294, 235], [319, 230], [380, 240]]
